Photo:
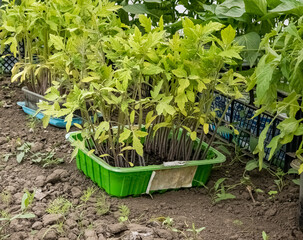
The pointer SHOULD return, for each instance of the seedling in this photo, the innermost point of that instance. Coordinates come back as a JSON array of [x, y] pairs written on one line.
[[193, 232], [59, 206], [7, 156], [47, 159], [102, 205], [265, 236], [23, 150], [6, 218], [220, 193], [168, 222], [87, 194], [32, 122], [27, 200], [5, 197], [272, 194], [124, 213]]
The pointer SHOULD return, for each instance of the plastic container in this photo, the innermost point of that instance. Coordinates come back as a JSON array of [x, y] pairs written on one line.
[[31, 98], [57, 122], [122, 182]]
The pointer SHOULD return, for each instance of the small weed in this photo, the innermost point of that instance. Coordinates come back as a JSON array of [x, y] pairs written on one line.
[[32, 122], [87, 194], [46, 159], [102, 205], [27, 200], [265, 236], [124, 213], [2, 103], [220, 192], [5, 157], [59, 206], [272, 194], [4, 214], [191, 233], [6, 197], [238, 222], [5, 218], [168, 222], [23, 150]]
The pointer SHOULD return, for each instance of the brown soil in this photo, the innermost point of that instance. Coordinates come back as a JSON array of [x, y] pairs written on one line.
[[236, 219]]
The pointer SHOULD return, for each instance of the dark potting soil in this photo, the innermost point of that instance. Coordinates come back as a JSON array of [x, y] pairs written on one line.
[[239, 218]]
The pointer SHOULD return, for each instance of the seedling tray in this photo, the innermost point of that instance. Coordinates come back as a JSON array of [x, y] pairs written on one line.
[[57, 122], [122, 182]]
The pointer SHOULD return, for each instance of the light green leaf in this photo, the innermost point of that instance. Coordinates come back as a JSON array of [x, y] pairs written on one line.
[[57, 41], [228, 35], [125, 135], [137, 145]]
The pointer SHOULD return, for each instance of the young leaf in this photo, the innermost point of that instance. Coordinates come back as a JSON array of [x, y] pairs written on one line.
[[137, 145], [125, 135]]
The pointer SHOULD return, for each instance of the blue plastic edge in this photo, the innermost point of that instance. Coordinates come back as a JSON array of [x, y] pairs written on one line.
[[57, 122]]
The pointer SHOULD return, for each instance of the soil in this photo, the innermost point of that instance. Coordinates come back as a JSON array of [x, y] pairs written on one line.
[[151, 217]]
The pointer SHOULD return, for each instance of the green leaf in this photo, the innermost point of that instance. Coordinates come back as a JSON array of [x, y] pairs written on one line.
[[132, 117], [57, 41], [45, 120], [137, 145], [25, 215], [230, 9], [230, 53], [251, 165], [20, 157], [24, 201], [151, 69], [218, 183], [223, 129], [136, 9], [251, 42], [273, 145], [228, 35], [89, 79], [145, 22], [180, 73], [256, 7], [125, 135], [139, 133]]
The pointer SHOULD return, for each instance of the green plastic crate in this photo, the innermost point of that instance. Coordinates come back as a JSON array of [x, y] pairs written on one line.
[[122, 182]]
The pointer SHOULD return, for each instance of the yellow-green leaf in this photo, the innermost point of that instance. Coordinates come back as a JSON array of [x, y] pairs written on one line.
[[125, 135], [132, 117], [206, 128], [91, 152], [193, 136], [138, 146], [78, 125]]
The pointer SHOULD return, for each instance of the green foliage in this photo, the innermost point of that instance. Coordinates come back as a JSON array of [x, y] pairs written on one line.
[[102, 205], [252, 19], [48, 27], [87, 194], [280, 68], [5, 197], [22, 151], [59, 205], [174, 78], [220, 192], [265, 236], [47, 159], [6, 218], [27, 200], [191, 233], [124, 213]]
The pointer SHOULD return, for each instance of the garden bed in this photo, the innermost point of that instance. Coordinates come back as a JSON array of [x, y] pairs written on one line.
[[240, 218]]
